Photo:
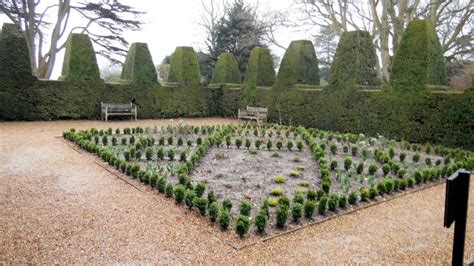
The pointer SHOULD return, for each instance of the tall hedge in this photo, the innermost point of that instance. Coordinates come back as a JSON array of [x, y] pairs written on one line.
[[14, 57], [79, 60], [419, 58], [184, 67], [299, 65], [354, 62], [260, 69], [138, 67], [17, 98], [226, 70]]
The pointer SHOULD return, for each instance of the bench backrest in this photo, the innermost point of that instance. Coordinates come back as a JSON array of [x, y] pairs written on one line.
[[117, 107], [254, 110]]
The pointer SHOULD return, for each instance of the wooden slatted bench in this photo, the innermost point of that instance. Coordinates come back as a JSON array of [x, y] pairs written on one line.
[[118, 109], [253, 113]]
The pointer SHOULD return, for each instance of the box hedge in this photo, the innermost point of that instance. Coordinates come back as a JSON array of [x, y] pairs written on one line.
[[138, 67], [299, 65], [419, 59]]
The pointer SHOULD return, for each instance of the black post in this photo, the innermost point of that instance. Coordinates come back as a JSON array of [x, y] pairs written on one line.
[[460, 215]]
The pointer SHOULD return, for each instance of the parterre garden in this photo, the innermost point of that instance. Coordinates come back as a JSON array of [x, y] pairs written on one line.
[[260, 179]]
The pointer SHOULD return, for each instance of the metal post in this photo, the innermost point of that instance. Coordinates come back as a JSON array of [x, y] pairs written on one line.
[[460, 222]]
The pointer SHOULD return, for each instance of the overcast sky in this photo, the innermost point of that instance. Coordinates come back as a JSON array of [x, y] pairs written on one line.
[[169, 24]]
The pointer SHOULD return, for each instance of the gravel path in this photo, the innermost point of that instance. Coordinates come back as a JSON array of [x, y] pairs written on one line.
[[59, 206]]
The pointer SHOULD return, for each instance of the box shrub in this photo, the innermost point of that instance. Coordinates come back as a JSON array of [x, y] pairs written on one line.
[[245, 208], [242, 225], [278, 191], [179, 193], [261, 221], [189, 198], [227, 204], [201, 204], [213, 211], [199, 189], [169, 190], [285, 201], [309, 208], [322, 205], [279, 179], [342, 201], [353, 197], [224, 219], [272, 201], [281, 216]]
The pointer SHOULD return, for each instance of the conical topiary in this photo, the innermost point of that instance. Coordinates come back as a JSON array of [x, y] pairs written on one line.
[[79, 60], [226, 70], [138, 67], [184, 67], [419, 58], [299, 65], [260, 70]]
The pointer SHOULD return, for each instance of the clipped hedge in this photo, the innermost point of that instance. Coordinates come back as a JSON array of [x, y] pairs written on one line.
[[79, 60], [260, 69], [138, 67], [354, 62], [226, 70], [419, 59], [299, 65], [184, 68]]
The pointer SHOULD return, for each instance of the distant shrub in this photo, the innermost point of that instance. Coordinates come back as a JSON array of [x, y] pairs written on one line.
[[322, 205], [342, 201], [179, 193], [279, 144], [278, 191], [245, 208], [199, 189], [309, 208], [227, 204], [353, 197], [373, 193], [269, 144], [213, 211], [272, 202], [299, 145], [297, 211], [238, 143], [171, 154], [284, 201], [261, 221], [201, 204], [333, 165], [189, 198], [279, 179], [347, 163], [298, 198], [169, 190], [416, 157]]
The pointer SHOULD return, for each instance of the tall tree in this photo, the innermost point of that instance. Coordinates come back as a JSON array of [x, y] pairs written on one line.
[[103, 20]]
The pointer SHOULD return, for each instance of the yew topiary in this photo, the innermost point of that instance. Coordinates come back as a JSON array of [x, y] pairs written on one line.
[[14, 57], [138, 67], [299, 65], [226, 70], [354, 62], [79, 60], [184, 67], [260, 72], [419, 58]]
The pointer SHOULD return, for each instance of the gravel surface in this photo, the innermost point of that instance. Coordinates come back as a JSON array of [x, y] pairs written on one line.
[[59, 206]]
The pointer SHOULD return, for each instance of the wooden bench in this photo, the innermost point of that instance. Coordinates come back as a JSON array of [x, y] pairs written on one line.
[[116, 109], [253, 113]]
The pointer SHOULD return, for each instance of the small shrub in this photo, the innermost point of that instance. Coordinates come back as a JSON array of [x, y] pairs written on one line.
[[170, 140], [201, 204], [224, 219], [275, 155], [114, 141], [105, 140], [279, 144], [261, 221], [402, 156], [342, 201], [322, 205], [300, 167], [189, 143], [333, 165], [299, 145], [285, 201], [345, 149], [294, 174], [352, 199], [381, 187], [272, 201], [279, 179], [360, 168], [171, 154], [311, 194], [199, 141], [372, 169], [213, 211], [416, 157], [297, 159], [428, 161], [281, 216], [304, 183], [298, 198], [278, 191], [373, 193], [326, 186], [211, 197], [161, 184], [160, 153], [347, 163], [333, 149], [123, 141], [179, 193], [245, 208], [227, 204], [149, 153], [391, 152], [309, 208], [161, 141], [410, 182], [386, 169], [364, 194], [289, 145], [242, 226], [189, 198], [169, 190], [297, 211], [248, 143], [199, 189], [182, 156], [238, 143], [418, 177], [269, 144], [333, 202], [258, 143], [180, 141]]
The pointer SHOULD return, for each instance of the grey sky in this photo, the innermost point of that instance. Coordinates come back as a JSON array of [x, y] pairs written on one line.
[[174, 23]]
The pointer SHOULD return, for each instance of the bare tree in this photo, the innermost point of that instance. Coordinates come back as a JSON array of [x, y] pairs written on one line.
[[104, 21], [213, 12]]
